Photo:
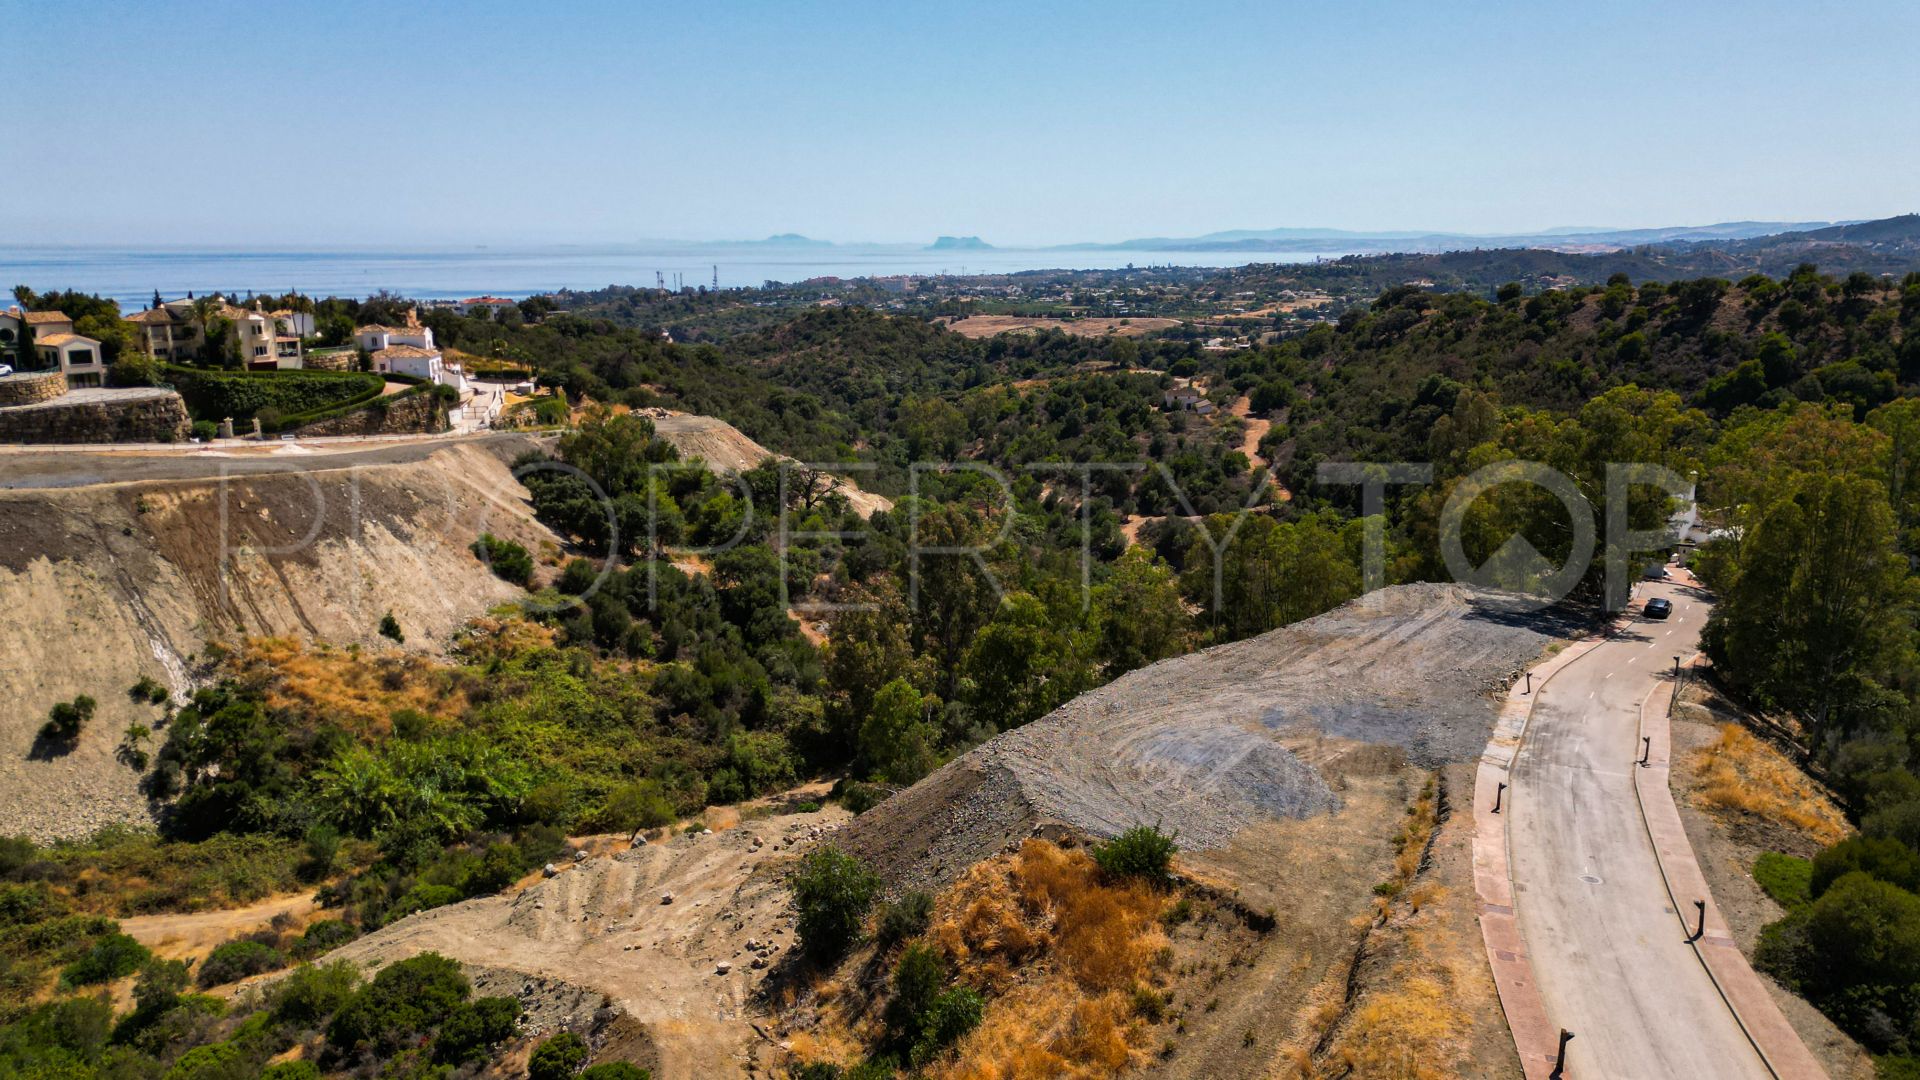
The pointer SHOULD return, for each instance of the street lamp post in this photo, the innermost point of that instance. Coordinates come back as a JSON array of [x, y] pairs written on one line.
[[1560, 1059]]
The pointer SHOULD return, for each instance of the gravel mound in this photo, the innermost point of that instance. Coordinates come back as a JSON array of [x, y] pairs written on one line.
[[1212, 743]]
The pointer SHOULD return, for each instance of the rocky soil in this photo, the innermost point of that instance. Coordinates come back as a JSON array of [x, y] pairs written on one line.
[[1212, 744], [103, 583], [679, 935], [726, 448]]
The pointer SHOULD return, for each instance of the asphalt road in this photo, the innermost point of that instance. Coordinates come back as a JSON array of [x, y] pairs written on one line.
[[30, 467], [1608, 951]]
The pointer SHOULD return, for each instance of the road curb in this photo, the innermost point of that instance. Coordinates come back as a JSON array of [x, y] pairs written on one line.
[[1535, 1038], [1766, 1027]]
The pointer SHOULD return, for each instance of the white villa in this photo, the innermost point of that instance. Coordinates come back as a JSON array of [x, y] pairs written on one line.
[[265, 339], [409, 350], [55, 345]]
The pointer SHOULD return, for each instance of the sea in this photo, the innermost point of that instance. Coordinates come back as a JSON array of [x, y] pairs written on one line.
[[132, 275]]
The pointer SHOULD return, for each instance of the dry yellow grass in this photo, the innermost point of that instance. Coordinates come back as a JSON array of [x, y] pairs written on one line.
[[1739, 773], [1057, 952], [357, 692], [1405, 1027]]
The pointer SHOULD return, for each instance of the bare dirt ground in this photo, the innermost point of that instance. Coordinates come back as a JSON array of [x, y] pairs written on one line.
[[103, 584], [1727, 843], [1215, 742], [1304, 303], [1418, 1000], [984, 326], [193, 935], [663, 930], [1286, 765], [1257, 428], [724, 447]]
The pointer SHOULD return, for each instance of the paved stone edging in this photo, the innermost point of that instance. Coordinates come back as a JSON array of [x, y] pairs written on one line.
[[1535, 1038], [1753, 1008]]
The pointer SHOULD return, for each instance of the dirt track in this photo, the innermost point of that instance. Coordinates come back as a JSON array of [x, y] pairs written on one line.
[[602, 925]]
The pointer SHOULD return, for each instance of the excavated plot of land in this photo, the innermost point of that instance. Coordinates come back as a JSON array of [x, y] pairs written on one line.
[[1212, 744], [725, 448], [603, 925], [101, 584]]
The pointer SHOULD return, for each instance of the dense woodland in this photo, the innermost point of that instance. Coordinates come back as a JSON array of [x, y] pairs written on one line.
[[641, 682]]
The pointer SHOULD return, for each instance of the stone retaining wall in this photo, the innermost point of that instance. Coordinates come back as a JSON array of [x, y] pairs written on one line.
[[332, 360], [160, 417], [32, 387]]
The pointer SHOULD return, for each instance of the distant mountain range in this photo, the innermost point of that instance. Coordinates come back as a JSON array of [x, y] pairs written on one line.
[[1349, 242], [1888, 246], [1319, 241]]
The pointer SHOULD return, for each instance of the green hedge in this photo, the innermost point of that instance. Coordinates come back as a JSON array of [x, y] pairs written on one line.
[[213, 394], [415, 386]]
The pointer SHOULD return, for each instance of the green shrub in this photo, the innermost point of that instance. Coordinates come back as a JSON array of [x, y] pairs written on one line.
[[149, 691], [66, 719], [113, 956], [423, 897], [1141, 852], [467, 1034], [215, 1061], [323, 937], [508, 560], [858, 796], [1883, 858], [76, 1028], [311, 994], [1896, 1067], [832, 892], [27, 903], [1787, 879], [922, 1015], [390, 628], [950, 1017], [232, 961], [215, 395], [917, 980], [1855, 954], [205, 430], [559, 1058], [635, 807], [905, 918], [135, 369], [405, 1000], [291, 1070]]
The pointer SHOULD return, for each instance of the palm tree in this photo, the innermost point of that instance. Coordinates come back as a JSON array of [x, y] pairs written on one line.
[[205, 310]]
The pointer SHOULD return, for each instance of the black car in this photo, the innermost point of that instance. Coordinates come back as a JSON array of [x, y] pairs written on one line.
[[1658, 608]]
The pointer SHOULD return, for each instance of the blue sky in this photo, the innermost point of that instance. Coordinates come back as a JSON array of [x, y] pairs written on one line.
[[362, 123]]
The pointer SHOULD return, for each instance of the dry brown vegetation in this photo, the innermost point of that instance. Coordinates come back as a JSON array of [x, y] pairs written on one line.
[[984, 326], [1408, 1018], [1071, 965], [1081, 947], [1741, 774], [360, 692]]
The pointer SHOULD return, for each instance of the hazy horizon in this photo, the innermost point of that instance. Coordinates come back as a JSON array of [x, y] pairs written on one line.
[[866, 123]]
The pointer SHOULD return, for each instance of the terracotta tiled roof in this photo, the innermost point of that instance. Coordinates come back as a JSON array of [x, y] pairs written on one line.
[[41, 318], [405, 351], [154, 316], [63, 339]]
